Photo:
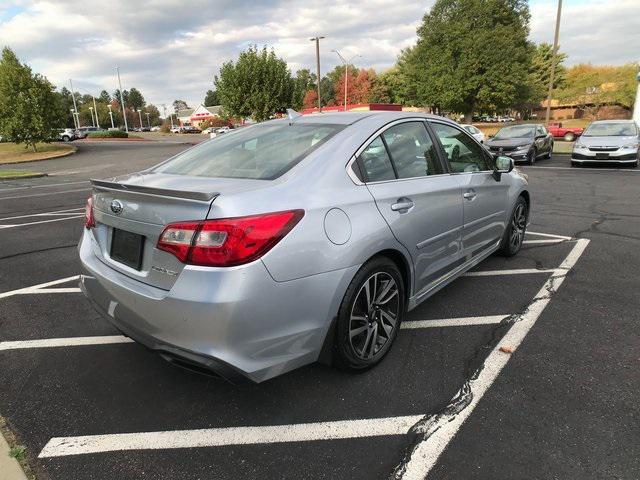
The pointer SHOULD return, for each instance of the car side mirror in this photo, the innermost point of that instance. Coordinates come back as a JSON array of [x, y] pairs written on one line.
[[502, 165]]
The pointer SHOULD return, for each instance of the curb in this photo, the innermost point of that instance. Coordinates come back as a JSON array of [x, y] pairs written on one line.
[[61, 155], [20, 177], [10, 467]]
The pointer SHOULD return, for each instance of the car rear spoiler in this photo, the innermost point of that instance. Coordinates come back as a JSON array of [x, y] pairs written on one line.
[[163, 192]]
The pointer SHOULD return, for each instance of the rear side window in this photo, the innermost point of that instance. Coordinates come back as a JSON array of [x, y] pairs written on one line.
[[412, 150], [262, 152], [463, 153], [376, 163]]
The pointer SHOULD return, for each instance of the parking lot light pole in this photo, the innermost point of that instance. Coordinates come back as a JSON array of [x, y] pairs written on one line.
[[317, 40], [140, 117], [73, 115], [93, 124], [148, 121], [124, 114], [553, 63], [110, 115], [96, 110], [75, 107]]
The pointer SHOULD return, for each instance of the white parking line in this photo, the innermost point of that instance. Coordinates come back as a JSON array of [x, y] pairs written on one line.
[[44, 194], [453, 322], [440, 430], [550, 241], [215, 437], [42, 186], [55, 213], [113, 339], [539, 234], [34, 288], [520, 271], [64, 342], [40, 222]]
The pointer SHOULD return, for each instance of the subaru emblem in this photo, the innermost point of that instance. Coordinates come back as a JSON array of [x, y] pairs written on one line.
[[117, 207]]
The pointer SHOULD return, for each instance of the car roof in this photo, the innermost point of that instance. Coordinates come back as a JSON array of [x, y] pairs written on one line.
[[614, 121], [349, 118]]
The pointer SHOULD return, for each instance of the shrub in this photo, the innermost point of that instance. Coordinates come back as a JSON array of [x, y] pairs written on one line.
[[109, 134]]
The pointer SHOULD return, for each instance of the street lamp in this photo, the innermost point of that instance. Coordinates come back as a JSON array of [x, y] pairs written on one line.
[[73, 115], [346, 74], [140, 117], [111, 115], [93, 124], [317, 40], [148, 121]]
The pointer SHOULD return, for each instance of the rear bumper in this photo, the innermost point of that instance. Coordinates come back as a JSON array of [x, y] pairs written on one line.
[[235, 322]]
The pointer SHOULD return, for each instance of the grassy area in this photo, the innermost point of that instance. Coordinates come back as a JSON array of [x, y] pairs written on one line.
[[562, 147], [13, 174], [12, 153]]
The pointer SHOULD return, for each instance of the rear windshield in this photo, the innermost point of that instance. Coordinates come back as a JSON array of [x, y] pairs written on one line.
[[622, 129], [261, 152]]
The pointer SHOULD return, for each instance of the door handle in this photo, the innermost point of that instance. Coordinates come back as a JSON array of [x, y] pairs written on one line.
[[402, 204], [469, 195]]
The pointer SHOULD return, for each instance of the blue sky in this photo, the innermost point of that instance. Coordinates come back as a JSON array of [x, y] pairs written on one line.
[[171, 48]]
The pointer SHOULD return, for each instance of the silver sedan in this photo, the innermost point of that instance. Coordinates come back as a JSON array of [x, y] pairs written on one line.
[[296, 240], [608, 141]]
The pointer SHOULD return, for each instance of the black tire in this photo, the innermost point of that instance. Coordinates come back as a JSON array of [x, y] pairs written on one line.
[[516, 229], [575, 164], [66, 138], [375, 330], [569, 137], [531, 157], [548, 155]]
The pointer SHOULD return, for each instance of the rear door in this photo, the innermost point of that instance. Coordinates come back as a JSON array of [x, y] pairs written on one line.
[[484, 199], [420, 201]]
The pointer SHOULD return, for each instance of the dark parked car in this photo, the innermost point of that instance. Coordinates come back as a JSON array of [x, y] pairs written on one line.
[[522, 143]]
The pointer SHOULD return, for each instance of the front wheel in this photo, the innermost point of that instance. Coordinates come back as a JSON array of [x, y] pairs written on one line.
[[569, 137], [370, 315], [531, 157], [516, 228]]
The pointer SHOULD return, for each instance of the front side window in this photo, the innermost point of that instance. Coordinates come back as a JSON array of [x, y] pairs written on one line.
[[462, 152], [375, 162], [412, 150], [262, 152]]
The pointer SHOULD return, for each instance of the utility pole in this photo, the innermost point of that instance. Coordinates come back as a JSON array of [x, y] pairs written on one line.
[[553, 63], [164, 112], [346, 74], [110, 115], [317, 40], [73, 115], [636, 104], [171, 117], [96, 110], [124, 114], [75, 107]]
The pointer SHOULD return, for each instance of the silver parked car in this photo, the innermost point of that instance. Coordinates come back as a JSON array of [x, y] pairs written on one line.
[[296, 240], [608, 141], [475, 132]]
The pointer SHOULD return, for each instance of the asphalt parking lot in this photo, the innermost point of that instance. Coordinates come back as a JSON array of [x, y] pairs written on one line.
[[524, 368]]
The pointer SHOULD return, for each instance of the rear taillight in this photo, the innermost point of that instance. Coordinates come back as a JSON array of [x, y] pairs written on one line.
[[227, 241], [89, 219]]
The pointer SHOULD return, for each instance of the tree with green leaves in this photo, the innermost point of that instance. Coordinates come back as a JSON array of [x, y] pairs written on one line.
[[258, 84], [471, 55], [179, 105], [30, 110], [211, 99], [303, 82], [136, 100], [105, 97]]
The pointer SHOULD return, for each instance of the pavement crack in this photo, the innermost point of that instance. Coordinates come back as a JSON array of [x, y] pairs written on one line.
[[13, 255]]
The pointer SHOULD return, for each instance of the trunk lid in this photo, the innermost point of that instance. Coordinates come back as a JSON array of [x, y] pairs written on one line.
[[143, 204]]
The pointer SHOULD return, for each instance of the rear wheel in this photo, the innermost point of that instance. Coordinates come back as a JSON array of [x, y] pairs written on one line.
[[569, 137], [370, 315], [66, 138], [516, 228]]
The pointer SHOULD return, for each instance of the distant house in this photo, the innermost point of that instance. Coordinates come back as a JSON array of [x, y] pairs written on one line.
[[194, 116]]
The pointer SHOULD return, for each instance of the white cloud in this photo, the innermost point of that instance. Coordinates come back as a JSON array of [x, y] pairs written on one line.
[[171, 49]]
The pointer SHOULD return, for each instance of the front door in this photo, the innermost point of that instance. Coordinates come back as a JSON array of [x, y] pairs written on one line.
[[484, 198]]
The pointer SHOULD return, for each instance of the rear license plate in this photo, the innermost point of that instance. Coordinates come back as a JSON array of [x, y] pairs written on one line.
[[126, 248], [602, 156]]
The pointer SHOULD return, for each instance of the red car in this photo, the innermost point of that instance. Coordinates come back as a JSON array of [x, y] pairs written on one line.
[[567, 133]]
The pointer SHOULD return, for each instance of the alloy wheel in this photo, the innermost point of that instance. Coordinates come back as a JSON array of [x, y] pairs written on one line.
[[518, 226], [374, 315]]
